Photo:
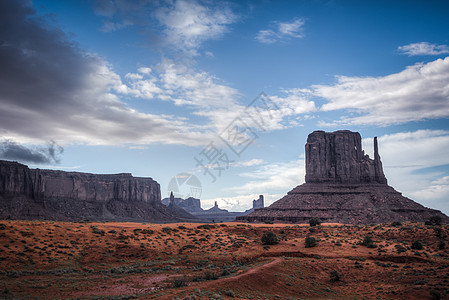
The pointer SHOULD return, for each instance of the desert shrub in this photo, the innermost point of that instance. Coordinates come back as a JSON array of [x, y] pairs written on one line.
[[229, 293], [2, 226], [26, 233], [137, 230], [396, 224], [438, 232], [166, 229], [400, 248], [205, 226], [435, 220], [179, 282], [182, 227], [314, 222], [95, 230], [269, 238], [310, 241], [368, 242], [441, 245], [416, 245], [268, 222], [334, 276], [112, 231], [147, 231], [209, 275]]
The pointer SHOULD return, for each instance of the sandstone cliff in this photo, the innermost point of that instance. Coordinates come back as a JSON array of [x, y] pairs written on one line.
[[343, 185], [337, 157], [34, 193]]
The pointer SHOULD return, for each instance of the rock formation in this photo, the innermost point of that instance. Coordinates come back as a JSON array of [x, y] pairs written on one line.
[[259, 203], [343, 185], [57, 195], [173, 207], [190, 205]]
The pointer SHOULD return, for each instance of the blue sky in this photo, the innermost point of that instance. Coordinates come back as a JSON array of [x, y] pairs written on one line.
[[226, 91]]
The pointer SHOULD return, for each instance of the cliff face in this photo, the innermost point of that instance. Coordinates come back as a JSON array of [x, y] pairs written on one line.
[[73, 195], [343, 185], [337, 157]]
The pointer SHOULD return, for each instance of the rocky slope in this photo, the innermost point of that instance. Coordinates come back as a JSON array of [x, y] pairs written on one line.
[[34, 194]]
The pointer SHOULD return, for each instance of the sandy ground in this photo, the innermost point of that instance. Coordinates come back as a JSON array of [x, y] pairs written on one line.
[[228, 261]]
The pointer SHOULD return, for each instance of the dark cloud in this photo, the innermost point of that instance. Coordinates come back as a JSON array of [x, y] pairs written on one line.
[[51, 89], [49, 154]]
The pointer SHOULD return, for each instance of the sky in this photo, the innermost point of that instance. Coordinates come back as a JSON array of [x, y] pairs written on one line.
[[215, 99]]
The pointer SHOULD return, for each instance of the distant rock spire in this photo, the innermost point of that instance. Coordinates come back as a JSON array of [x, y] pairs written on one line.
[[172, 198], [379, 175]]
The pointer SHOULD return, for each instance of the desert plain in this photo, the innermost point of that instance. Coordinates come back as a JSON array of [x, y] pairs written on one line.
[[97, 260]]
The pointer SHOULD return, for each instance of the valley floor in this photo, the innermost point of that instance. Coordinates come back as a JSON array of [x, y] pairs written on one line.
[[48, 260]]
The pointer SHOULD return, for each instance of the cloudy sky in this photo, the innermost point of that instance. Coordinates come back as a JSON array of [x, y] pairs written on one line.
[[226, 92]]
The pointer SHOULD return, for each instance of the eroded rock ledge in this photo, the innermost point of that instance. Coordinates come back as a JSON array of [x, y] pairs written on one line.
[[34, 193]]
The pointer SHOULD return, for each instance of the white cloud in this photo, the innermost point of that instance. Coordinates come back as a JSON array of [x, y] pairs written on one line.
[[248, 163], [206, 96], [423, 48], [417, 93], [282, 31], [189, 23], [272, 178], [183, 24]]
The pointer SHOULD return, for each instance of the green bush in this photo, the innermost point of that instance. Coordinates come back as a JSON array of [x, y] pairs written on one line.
[[396, 224], [179, 282], [314, 222], [441, 245], [416, 245], [97, 231], [206, 226], [269, 238], [310, 242], [368, 242], [334, 276], [166, 229]]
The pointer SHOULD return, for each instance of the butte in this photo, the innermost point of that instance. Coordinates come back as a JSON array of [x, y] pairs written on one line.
[[343, 185]]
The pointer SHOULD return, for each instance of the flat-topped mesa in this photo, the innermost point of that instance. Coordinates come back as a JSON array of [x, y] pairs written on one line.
[[57, 195], [338, 157]]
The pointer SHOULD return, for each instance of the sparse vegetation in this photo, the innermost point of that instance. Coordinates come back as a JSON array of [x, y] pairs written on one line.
[[71, 260], [179, 282], [368, 242], [166, 230], [310, 241], [269, 238], [416, 245], [334, 276], [396, 224]]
